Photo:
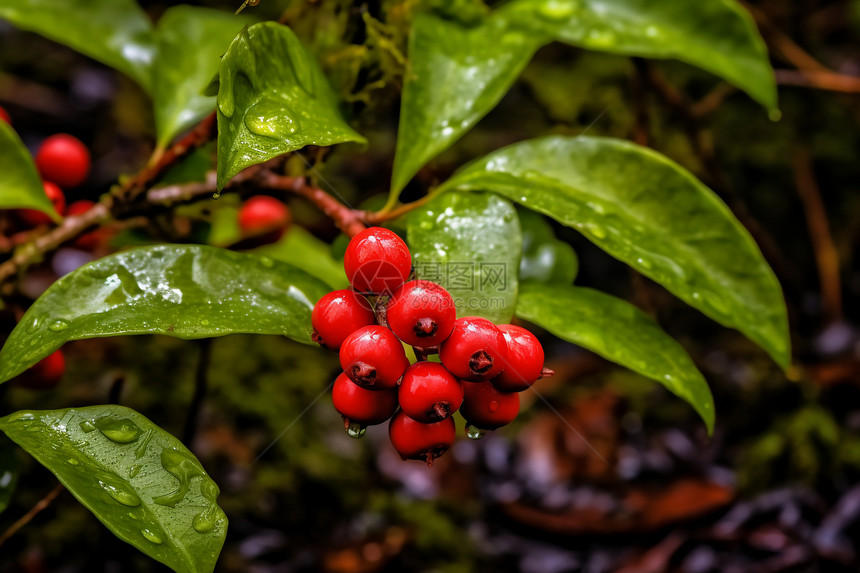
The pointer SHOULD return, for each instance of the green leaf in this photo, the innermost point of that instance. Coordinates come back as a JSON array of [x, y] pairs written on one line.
[[545, 258], [651, 213], [20, 186], [470, 244], [454, 77], [619, 332], [117, 33], [185, 291], [719, 36], [190, 41], [272, 98], [301, 249], [138, 480], [10, 470]]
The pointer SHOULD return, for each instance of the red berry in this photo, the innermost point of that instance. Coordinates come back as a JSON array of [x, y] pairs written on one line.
[[4, 115], [525, 360], [261, 214], [373, 357], [45, 374], [421, 313], [63, 159], [476, 349], [337, 315], [417, 441], [360, 406], [429, 393], [377, 261], [486, 408], [58, 199]]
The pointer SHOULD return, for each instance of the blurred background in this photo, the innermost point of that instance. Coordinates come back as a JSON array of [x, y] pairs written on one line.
[[611, 472]]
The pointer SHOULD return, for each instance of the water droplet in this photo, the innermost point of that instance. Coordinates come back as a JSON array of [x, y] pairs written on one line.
[[493, 406], [267, 262], [151, 536], [134, 470], [355, 430], [645, 264], [225, 103], [652, 31], [204, 322], [474, 432], [557, 9], [596, 230], [216, 195], [774, 115], [119, 430], [73, 462], [121, 494], [22, 417], [183, 468], [58, 325], [202, 524], [87, 426]]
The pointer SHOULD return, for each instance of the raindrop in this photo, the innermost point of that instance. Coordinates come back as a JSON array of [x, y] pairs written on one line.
[[354, 430], [474, 432], [150, 536], [557, 9], [202, 523], [87, 426], [216, 195], [267, 262], [73, 462], [58, 325], [183, 469], [121, 494], [119, 430], [204, 322], [596, 230], [22, 417]]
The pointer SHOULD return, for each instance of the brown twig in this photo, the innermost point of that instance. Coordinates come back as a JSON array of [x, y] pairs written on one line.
[[823, 80], [826, 255], [41, 505]]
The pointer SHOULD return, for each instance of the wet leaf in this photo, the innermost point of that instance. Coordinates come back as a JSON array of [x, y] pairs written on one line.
[[619, 332], [272, 98], [545, 258], [117, 33], [190, 43], [651, 213], [138, 480], [471, 245], [300, 248], [20, 186], [185, 291]]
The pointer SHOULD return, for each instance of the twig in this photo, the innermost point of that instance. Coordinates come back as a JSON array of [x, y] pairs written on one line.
[[823, 80], [41, 505], [826, 255], [201, 382], [787, 47]]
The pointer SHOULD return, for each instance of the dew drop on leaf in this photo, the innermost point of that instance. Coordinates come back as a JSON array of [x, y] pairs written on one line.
[[121, 494], [119, 430], [58, 325], [151, 536]]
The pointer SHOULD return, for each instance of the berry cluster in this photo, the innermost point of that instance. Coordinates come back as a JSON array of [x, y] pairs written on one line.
[[482, 365]]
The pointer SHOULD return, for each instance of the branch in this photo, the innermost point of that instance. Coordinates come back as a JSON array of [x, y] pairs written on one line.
[[41, 505], [823, 80]]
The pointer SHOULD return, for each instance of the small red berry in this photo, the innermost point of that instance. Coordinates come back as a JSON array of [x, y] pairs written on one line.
[[63, 159], [486, 408], [360, 406], [45, 374], [337, 315], [373, 357], [58, 199], [4, 115], [377, 261], [525, 360], [429, 393], [263, 214], [417, 441], [476, 349], [421, 313]]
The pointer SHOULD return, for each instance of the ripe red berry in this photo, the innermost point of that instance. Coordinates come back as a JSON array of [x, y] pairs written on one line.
[[373, 357], [58, 199], [360, 406], [63, 159], [486, 408], [476, 349], [45, 374], [377, 261], [4, 115], [337, 315], [429, 393], [525, 360], [421, 313], [417, 441], [261, 214]]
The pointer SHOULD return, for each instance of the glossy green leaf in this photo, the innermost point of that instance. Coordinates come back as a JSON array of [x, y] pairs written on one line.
[[186, 291], [545, 258], [117, 33], [301, 249], [138, 480], [719, 36], [272, 98], [20, 186], [190, 42], [10, 470], [651, 213], [619, 332], [471, 245], [454, 77]]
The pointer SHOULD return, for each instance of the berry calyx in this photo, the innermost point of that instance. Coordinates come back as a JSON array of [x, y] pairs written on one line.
[[377, 261], [373, 357], [57, 198], [525, 360], [263, 214], [337, 315], [476, 350], [360, 406], [421, 313], [418, 441], [45, 374], [429, 393], [63, 159], [486, 408]]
